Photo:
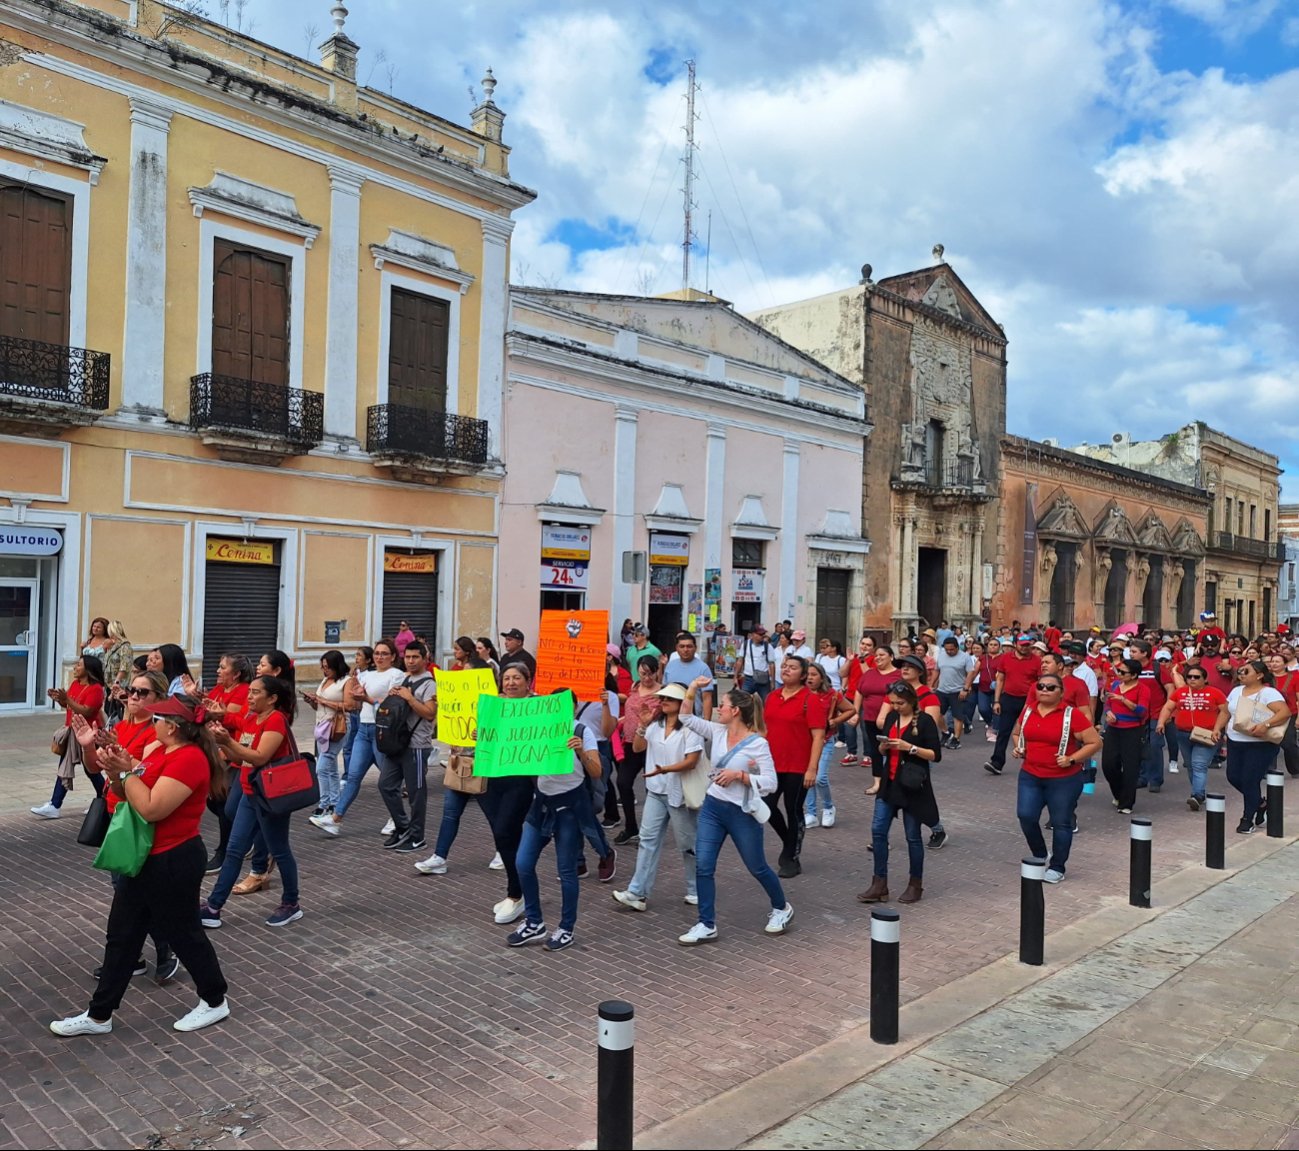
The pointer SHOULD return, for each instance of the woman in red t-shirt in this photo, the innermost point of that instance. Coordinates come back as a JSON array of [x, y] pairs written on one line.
[[872, 691], [267, 737], [796, 724], [1051, 776], [852, 733], [170, 792], [227, 703], [83, 697], [838, 711], [1195, 703], [1287, 683], [988, 656]]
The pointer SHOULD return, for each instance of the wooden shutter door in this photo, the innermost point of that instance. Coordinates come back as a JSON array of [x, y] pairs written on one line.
[[418, 331], [250, 315], [35, 265]]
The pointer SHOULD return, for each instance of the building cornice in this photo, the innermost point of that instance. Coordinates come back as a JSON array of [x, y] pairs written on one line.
[[1069, 463]]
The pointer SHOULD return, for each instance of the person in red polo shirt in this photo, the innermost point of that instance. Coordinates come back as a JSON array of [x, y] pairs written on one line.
[[1195, 704], [1016, 673], [796, 720], [1052, 775]]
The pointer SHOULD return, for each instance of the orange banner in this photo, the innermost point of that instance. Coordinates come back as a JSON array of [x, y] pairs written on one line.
[[424, 563], [235, 552], [570, 652]]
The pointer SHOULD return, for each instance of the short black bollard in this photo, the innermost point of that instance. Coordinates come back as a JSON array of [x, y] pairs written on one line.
[[1143, 835], [1032, 912], [615, 1076], [1215, 831], [886, 947], [1275, 805]]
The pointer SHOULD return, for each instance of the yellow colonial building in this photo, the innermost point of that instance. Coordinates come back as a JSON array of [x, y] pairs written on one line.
[[251, 344]]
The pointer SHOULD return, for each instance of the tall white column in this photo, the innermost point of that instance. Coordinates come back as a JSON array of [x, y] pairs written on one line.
[[976, 570], [494, 286], [144, 329], [788, 602], [715, 496], [908, 600], [344, 294], [625, 600]]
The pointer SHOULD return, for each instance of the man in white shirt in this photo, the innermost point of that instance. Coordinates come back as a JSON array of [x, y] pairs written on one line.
[[756, 666], [1082, 670]]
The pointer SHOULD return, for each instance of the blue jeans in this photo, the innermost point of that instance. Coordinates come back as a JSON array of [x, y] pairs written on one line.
[[822, 789], [1060, 798], [557, 817], [327, 771], [234, 800], [453, 807], [984, 702], [1152, 758], [1248, 763], [358, 764], [1196, 757], [349, 736], [719, 818], [654, 820], [249, 818], [884, 813], [760, 690]]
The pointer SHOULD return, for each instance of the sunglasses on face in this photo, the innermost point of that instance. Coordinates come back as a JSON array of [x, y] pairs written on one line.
[[1237, 651], [1196, 675], [1048, 687], [139, 692]]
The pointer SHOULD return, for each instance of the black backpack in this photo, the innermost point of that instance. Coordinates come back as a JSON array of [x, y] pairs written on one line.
[[394, 722]]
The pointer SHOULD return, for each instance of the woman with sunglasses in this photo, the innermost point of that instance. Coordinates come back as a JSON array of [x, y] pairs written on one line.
[[170, 792], [1195, 703], [1127, 704], [1256, 706], [1052, 773], [910, 745]]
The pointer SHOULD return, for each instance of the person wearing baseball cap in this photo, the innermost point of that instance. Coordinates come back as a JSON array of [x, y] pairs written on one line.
[[516, 653], [799, 646], [1018, 670]]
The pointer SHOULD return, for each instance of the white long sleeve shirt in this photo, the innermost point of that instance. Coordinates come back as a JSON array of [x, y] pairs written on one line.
[[754, 758]]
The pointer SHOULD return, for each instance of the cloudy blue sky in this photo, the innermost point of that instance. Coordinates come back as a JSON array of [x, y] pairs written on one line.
[[1118, 182]]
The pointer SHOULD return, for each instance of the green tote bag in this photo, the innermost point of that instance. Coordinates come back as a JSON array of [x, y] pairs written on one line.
[[127, 842]]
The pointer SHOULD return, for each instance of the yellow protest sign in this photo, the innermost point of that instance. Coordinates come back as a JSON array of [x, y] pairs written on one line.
[[458, 693]]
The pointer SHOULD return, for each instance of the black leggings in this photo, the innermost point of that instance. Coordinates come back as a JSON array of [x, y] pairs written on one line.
[[633, 763], [506, 803], [1121, 762], [790, 827], [870, 734], [1290, 748]]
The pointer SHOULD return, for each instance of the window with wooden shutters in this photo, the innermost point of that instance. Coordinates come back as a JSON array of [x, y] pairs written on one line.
[[418, 329], [35, 264], [250, 314]]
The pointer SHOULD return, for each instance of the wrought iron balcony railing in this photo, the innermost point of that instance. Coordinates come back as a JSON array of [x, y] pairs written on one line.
[[234, 405], [1245, 546], [397, 429], [34, 370]]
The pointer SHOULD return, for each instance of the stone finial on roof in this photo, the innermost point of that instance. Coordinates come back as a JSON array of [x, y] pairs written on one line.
[[489, 86], [339, 15]]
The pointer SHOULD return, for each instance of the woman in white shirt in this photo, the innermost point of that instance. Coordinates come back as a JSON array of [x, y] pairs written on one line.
[[1255, 706], [741, 766], [371, 687], [670, 749]]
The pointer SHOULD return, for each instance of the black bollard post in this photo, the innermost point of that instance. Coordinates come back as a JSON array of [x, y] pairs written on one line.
[[1215, 831], [1143, 835], [1032, 912], [886, 947], [1275, 805], [615, 1075]]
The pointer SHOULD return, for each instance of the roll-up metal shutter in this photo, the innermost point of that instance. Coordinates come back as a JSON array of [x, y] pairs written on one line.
[[241, 611], [413, 597]]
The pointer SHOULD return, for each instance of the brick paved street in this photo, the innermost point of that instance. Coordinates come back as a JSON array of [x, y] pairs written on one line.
[[393, 1015]]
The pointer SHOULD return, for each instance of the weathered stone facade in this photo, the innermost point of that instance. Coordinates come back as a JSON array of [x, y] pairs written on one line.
[[1084, 542], [933, 365]]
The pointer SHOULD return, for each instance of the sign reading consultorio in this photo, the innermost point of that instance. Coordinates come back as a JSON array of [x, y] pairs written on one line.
[[240, 552], [421, 563]]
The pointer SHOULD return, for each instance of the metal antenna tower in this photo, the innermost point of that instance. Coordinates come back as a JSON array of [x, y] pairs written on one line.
[[688, 189]]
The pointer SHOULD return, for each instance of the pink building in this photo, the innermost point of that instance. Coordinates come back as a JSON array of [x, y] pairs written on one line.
[[683, 431]]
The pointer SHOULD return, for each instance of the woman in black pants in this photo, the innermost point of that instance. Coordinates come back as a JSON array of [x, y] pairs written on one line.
[[641, 708], [1127, 710]]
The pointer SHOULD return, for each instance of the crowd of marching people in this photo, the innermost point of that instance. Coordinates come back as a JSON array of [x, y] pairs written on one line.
[[663, 749]]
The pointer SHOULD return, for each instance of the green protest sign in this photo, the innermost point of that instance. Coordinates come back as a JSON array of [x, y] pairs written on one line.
[[524, 736]]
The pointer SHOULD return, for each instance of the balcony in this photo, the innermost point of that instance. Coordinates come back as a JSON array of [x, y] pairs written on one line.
[[1245, 546], [50, 386], [251, 422], [418, 444], [950, 477]]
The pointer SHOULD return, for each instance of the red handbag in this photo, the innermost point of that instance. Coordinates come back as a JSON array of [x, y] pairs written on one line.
[[287, 785]]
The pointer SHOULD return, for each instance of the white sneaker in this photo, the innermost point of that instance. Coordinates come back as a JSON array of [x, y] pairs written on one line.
[[627, 899], [840, 743], [497, 863], [1173, 769], [326, 823], [49, 811], [202, 1016], [433, 865], [700, 933], [80, 1024], [508, 910], [388, 828], [778, 920], [809, 820], [827, 817], [1053, 876], [693, 900]]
